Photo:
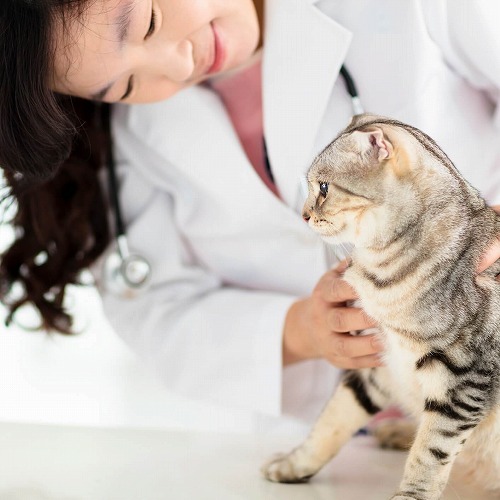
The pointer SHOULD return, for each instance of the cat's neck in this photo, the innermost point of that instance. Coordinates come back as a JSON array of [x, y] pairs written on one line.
[[423, 247], [398, 281]]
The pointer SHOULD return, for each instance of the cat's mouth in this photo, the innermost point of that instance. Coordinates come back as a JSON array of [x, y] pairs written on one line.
[[326, 228]]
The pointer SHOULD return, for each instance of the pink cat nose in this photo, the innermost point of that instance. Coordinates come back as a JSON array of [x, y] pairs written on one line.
[[306, 217]]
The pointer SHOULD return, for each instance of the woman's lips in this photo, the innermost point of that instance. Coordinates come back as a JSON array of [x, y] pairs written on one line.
[[219, 52]]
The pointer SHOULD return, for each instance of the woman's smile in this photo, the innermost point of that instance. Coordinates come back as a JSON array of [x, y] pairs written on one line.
[[219, 51]]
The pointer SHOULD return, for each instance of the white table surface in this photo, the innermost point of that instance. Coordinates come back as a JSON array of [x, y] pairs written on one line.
[[40, 462]]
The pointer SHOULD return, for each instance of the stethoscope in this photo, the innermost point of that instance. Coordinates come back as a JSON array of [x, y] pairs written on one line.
[[126, 273], [357, 108]]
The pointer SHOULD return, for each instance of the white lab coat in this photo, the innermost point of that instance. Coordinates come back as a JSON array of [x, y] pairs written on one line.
[[228, 257]]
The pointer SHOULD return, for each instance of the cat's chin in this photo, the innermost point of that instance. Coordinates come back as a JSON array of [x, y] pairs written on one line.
[[335, 240], [333, 234]]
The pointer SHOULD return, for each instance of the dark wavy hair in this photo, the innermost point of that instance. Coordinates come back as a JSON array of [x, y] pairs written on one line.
[[51, 148]]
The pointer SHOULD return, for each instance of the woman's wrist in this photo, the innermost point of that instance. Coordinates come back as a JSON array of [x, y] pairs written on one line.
[[295, 339]]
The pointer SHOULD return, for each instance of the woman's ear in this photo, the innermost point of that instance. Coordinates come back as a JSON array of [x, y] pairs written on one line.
[[374, 141]]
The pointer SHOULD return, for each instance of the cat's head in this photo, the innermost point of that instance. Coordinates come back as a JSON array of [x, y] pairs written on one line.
[[367, 183]]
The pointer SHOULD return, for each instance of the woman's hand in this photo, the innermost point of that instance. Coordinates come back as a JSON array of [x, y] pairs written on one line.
[[318, 326], [493, 253]]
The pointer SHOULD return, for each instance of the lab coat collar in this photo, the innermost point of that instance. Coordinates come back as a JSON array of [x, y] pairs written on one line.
[[304, 50]]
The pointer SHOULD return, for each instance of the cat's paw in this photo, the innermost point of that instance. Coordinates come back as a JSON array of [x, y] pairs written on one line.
[[287, 468], [395, 433]]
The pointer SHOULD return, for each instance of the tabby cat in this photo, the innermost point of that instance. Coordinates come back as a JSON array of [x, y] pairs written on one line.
[[419, 231]]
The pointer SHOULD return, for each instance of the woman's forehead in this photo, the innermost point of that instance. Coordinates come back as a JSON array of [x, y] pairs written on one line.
[[86, 41]]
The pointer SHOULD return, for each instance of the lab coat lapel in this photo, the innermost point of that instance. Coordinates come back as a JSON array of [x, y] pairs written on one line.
[[304, 50]]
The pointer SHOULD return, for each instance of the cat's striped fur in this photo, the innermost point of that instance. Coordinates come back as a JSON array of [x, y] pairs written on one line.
[[419, 231]]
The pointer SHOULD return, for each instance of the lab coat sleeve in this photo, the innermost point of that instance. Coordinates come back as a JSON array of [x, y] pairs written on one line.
[[206, 340], [467, 32]]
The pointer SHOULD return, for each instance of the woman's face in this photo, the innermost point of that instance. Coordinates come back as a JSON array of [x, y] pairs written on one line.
[[147, 50]]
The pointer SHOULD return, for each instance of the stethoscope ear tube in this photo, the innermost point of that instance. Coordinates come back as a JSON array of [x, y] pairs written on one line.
[[125, 274], [350, 85]]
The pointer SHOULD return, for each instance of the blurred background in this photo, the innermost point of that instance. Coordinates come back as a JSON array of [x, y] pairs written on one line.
[[90, 379]]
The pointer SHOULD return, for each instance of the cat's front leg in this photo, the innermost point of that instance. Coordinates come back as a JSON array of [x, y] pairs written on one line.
[[441, 435], [355, 401]]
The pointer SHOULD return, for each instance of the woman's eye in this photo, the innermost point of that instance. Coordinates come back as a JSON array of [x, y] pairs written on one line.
[[152, 25], [323, 188]]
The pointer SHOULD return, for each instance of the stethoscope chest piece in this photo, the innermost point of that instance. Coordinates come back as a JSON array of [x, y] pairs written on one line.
[[126, 277]]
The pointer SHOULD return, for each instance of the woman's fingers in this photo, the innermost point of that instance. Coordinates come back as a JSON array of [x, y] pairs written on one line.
[[370, 361], [348, 319], [344, 345], [350, 352], [490, 257], [328, 320], [492, 253], [332, 288]]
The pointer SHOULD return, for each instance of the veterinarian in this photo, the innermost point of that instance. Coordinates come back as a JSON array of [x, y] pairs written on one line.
[[218, 283]]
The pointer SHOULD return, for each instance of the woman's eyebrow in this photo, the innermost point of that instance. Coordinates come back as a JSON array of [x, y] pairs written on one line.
[[122, 21], [122, 25]]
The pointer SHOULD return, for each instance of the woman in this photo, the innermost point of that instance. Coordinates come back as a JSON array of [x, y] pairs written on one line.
[[239, 283]]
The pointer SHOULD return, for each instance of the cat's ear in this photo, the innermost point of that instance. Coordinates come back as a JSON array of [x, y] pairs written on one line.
[[374, 140]]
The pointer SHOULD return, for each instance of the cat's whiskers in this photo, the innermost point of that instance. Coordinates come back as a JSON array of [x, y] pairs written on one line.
[[347, 251], [337, 252]]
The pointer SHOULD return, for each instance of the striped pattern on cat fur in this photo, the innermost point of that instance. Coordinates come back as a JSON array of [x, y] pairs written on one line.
[[419, 230]]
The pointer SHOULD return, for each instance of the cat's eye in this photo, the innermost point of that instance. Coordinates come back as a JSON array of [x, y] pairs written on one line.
[[323, 188]]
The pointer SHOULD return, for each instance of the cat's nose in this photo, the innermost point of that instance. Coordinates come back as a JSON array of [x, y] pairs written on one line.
[[306, 216]]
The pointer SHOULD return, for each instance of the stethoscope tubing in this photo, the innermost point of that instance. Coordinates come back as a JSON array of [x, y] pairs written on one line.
[[132, 271], [357, 108], [113, 193]]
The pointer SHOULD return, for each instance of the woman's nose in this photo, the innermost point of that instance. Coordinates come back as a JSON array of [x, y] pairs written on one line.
[[176, 61]]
